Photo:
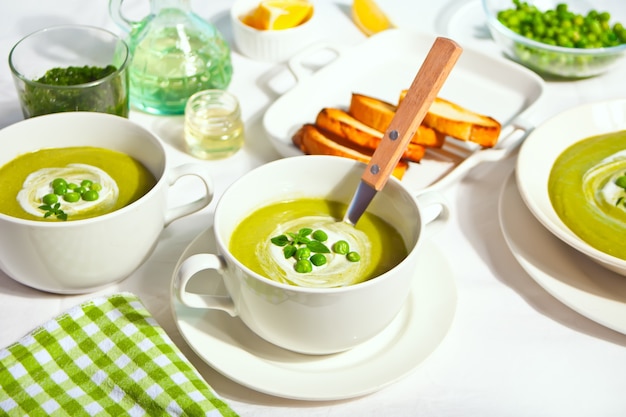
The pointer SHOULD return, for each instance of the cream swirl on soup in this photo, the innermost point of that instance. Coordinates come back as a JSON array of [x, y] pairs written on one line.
[[600, 181], [39, 184], [379, 246], [336, 272]]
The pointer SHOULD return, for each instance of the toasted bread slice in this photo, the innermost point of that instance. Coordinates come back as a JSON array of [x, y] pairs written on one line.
[[347, 127], [313, 140], [461, 123], [377, 114]]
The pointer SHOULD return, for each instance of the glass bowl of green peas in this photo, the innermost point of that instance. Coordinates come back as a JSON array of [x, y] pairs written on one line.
[[557, 38]]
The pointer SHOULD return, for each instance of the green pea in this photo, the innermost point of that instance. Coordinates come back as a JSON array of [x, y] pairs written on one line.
[[86, 183], [60, 189], [341, 247], [96, 186], [318, 259], [80, 190], [561, 26], [303, 253], [50, 199], [320, 236], [90, 195], [58, 181], [353, 256], [621, 181], [72, 186], [71, 197], [303, 266]]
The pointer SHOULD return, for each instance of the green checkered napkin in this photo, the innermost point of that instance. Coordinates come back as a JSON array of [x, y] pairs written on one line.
[[107, 357]]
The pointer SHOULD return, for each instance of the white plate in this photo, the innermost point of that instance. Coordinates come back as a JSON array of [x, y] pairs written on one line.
[[544, 145], [384, 65], [576, 281], [227, 345]]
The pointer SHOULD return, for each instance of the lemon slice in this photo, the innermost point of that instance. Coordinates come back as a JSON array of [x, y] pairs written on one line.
[[369, 17], [279, 14]]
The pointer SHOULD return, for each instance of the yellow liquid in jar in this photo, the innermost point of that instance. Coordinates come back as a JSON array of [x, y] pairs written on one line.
[[213, 133]]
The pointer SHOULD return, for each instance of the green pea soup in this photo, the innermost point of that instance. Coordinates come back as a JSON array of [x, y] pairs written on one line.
[[582, 193], [133, 179], [387, 247]]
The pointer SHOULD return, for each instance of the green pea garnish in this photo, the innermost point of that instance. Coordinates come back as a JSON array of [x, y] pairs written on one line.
[[50, 199], [71, 197], [90, 195], [353, 256], [320, 236], [58, 181], [309, 252], [303, 253], [621, 181], [318, 259], [341, 247], [60, 189], [71, 193], [303, 266]]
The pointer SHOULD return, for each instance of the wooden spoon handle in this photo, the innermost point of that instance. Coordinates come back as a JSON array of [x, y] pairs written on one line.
[[430, 78]]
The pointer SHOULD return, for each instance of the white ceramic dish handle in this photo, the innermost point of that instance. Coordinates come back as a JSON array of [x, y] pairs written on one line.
[[190, 267], [511, 137], [300, 70], [182, 210]]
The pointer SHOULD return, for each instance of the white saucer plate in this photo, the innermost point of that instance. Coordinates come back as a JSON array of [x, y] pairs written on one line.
[[575, 280], [227, 345]]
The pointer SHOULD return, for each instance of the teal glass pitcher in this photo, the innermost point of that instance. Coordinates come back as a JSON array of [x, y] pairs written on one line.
[[175, 53]]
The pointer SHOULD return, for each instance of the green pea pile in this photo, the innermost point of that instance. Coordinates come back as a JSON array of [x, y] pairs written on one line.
[[307, 247], [70, 192], [563, 27]]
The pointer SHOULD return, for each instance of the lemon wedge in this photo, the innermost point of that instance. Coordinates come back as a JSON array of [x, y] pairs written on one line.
[[369, 17], [279, 14]]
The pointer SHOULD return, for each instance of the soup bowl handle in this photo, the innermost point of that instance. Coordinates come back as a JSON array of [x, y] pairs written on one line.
[[182, 210], [435, 210], [190, 267]]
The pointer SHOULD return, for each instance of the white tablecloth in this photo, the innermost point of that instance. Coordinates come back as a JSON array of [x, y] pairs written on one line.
[[512, 350]]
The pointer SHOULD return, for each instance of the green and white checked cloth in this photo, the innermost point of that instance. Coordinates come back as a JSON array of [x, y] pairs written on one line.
[[106, 357]]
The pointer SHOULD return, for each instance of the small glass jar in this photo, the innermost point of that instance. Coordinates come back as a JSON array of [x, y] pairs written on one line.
[[213, 125]]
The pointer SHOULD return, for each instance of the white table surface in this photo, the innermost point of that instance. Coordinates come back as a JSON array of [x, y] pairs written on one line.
[[512, 350]]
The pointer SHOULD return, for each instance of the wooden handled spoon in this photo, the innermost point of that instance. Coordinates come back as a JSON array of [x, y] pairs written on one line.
[[413, 108]]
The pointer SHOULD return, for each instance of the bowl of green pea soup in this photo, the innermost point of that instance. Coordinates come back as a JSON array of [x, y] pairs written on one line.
[[556, 38], [298, 275], [84, 198]]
